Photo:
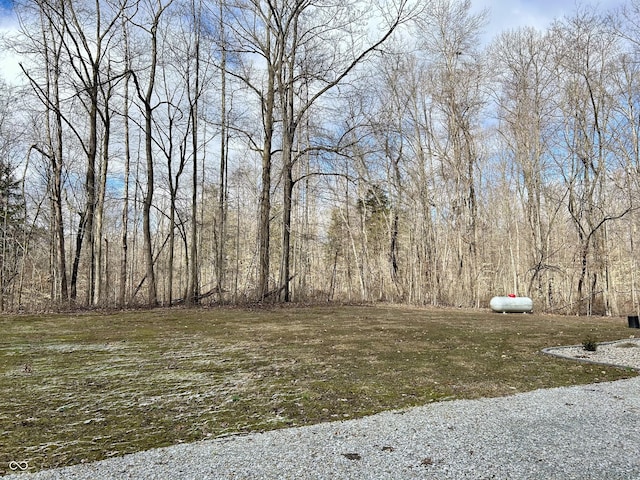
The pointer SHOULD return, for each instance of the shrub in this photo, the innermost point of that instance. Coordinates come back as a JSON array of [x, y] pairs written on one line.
[[589, 344]]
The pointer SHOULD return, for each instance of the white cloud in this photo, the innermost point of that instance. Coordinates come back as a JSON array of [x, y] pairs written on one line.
[[9, 64], [513, 14]]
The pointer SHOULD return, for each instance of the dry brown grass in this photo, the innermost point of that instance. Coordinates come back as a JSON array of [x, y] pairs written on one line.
[[76, 388]]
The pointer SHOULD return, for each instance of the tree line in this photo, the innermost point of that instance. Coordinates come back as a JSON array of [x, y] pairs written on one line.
[[162, 152]]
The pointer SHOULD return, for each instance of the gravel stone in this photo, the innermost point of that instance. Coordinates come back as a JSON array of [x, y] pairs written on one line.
[[580, 432], [621, 353]]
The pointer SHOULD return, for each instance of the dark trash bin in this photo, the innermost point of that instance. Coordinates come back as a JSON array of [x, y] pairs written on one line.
[[633, 321]]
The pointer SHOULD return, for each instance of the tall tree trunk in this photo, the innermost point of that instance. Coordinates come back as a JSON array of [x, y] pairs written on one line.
[[264, 225], [193, 293], [222, 183], [152, 296], [56, 157], [285, 266], [147, 202], [101, 260], [124, 244], [53, 151]]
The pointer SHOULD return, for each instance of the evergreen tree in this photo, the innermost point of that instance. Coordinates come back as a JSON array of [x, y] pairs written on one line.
[[12, 227]]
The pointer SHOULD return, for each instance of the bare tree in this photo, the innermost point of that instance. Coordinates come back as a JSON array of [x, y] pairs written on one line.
[[354, 162], [451, 37], [526, 83], [626, 23], [82, 32], [292, 40], [41, 41], [586, 44], [251, 32], [194, 94], [13, 211], [154, 10], [224, 161], [126, 100]]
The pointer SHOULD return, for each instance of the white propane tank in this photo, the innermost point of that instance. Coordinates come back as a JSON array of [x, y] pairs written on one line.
[[511, 304]]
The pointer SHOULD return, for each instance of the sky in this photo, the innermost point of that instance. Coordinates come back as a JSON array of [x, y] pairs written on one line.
[[9, 69], [5, 11], [511, 14], [503, 15]]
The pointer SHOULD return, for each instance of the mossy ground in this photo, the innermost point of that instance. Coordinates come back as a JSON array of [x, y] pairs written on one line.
[[77, 388]]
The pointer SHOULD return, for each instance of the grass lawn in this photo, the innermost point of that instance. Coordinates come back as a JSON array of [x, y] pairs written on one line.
[[77, 388]]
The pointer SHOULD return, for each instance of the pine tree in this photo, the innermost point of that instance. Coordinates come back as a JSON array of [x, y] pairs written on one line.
[[12, 225]]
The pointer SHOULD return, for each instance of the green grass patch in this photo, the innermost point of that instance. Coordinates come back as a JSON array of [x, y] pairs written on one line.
[[77, 388]]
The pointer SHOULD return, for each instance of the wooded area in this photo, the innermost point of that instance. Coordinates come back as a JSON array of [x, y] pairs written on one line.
[[164, 152]]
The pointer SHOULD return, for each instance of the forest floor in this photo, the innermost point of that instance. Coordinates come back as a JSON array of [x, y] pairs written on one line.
[[81, 387]]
